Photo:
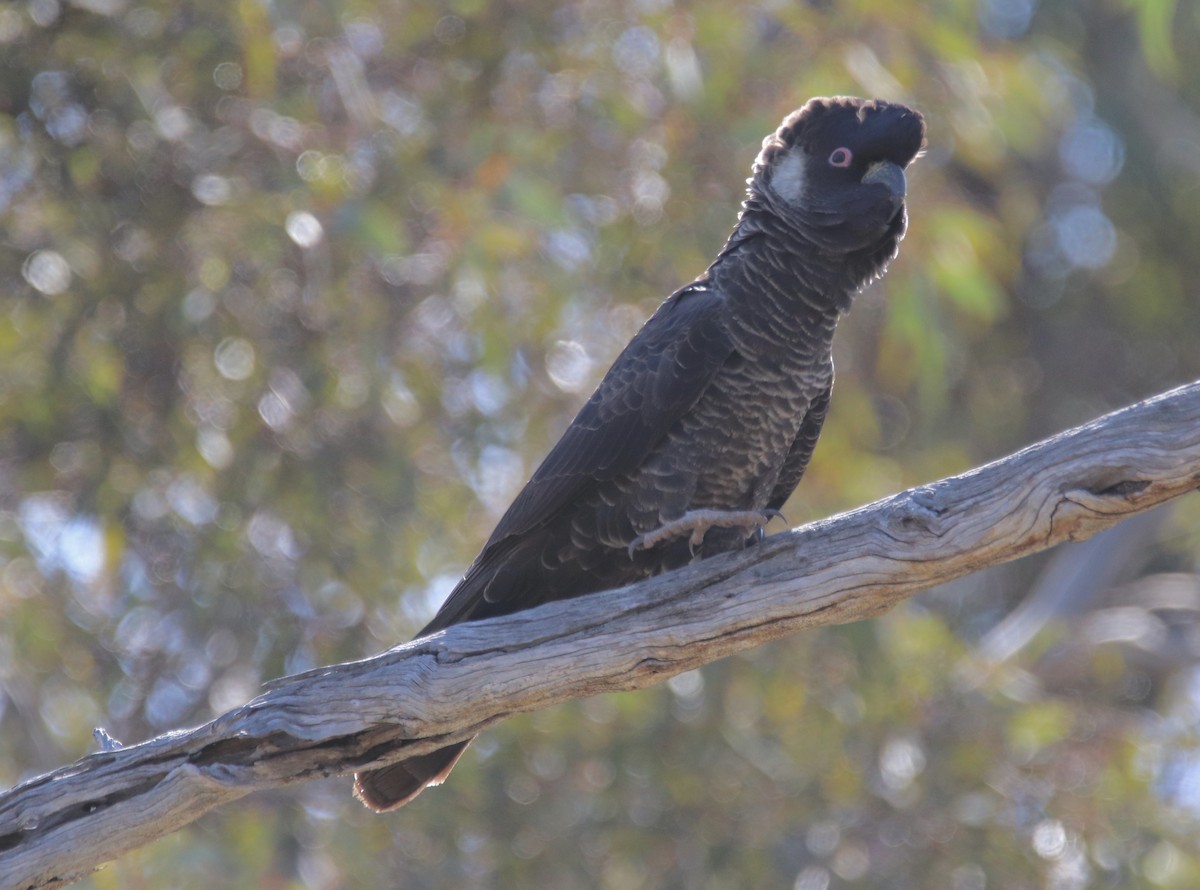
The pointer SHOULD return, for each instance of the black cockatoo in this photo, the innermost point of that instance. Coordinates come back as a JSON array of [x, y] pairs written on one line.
[[704, 424]]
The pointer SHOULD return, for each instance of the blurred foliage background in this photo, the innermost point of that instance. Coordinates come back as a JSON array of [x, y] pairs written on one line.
[[294, 295]]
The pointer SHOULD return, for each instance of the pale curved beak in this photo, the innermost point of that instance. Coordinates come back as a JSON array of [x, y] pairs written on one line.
[[888, 175]]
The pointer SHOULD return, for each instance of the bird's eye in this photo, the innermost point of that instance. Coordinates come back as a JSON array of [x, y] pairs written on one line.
[[841, 157]]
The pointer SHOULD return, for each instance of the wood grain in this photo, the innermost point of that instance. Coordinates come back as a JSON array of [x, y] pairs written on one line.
[[417, 697]]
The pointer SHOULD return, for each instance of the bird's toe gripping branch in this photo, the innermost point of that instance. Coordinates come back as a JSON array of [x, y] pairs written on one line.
[[696, 524]]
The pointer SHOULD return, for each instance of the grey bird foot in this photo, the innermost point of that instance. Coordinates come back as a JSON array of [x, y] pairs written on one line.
[[698, 522]]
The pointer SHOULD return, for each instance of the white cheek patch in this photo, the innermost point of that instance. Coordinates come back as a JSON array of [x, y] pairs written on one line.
[[788, 179]]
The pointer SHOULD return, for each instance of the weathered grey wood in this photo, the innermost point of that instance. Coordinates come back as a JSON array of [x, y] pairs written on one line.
[[417, 697]]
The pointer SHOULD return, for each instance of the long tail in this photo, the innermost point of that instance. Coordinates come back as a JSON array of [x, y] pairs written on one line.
[[393, 786], [498, 571]]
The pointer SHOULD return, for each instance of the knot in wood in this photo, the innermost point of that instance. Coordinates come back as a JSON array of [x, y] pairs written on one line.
[[917, 513]]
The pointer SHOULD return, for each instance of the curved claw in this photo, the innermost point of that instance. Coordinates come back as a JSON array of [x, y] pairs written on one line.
[[769, 514]]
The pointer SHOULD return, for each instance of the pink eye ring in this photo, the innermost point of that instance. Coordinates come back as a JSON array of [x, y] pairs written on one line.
[[841, 157]]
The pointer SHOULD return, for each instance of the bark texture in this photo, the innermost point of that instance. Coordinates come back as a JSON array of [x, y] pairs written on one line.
[[447, 687]]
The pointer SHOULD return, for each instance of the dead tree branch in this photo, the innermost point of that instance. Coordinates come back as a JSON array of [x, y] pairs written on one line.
[[420, 696]]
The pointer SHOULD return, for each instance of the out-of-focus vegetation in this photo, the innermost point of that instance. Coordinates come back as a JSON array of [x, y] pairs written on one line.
[[293, 296]]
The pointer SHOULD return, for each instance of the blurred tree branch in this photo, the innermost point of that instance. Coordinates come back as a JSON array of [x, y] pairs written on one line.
[[420, 696]]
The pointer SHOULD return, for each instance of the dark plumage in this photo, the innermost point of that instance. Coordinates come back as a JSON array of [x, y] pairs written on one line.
[[703, 426]]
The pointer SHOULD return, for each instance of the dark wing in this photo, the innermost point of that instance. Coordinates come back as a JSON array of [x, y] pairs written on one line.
[[801, 451], [655, 380]]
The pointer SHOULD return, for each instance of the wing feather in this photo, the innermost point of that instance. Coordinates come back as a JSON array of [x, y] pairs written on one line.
[[802, 448], [655, 380]]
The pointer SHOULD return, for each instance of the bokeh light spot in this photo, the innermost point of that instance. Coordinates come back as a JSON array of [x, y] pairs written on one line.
[[47, 271], [234, 358], [304, 229]]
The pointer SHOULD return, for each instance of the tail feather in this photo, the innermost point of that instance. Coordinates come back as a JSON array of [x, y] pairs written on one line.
[[393, 786]]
